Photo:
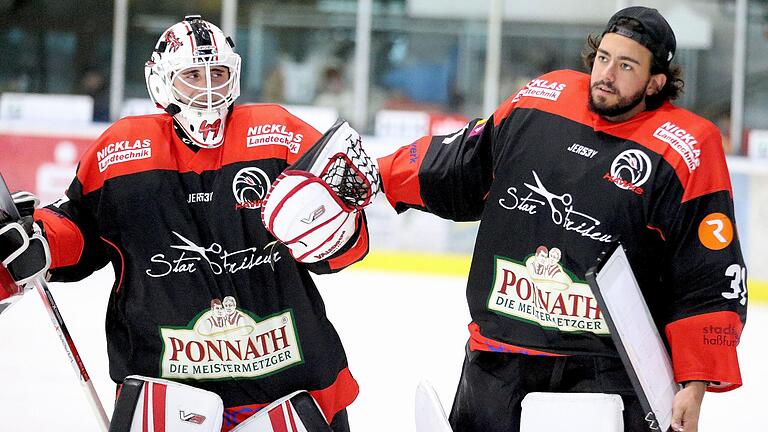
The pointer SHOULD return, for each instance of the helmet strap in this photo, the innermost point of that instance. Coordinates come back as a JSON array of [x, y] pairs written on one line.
[[172, 109], [183, 135]]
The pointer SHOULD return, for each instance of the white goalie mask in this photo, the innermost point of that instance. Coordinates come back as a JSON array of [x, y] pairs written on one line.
[[194, 75]]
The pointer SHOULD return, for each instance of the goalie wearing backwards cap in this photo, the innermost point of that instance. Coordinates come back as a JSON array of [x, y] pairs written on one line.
[[204, 295], [567, 165]]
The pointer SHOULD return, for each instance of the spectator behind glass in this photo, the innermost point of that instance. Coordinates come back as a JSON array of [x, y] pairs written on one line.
[[94, 84]]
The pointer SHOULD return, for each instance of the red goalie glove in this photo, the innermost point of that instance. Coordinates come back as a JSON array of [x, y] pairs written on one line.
[[315, 206]]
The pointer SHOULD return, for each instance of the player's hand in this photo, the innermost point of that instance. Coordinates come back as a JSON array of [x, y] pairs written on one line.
[[315, 207], [306, 215], [687, 405]]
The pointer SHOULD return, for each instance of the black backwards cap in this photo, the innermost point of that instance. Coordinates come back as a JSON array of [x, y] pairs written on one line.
[[655, 34]]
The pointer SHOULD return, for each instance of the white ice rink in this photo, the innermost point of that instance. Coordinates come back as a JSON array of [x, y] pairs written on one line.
[[397, 329]]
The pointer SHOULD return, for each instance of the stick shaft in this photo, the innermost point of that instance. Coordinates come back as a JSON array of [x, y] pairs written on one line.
[[72, 354]]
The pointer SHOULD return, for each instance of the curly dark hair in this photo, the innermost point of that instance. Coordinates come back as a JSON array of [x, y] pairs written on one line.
[[674, 85]]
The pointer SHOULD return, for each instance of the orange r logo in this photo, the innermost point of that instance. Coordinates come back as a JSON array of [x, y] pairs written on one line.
[[716, 231]]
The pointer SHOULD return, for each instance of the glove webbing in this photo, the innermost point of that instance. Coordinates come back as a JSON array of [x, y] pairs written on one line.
[[353, 176]]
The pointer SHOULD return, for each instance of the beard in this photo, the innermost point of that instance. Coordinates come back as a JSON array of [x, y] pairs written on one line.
[[624, 104]]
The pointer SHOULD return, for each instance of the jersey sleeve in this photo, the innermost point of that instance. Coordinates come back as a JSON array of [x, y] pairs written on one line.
[[71, 230], [446, 175], [705, 271]]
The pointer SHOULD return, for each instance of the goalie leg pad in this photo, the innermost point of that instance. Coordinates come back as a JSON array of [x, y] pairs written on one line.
[[304, 213], [154, 405], [576, 412], [430, 416], [297, 412]]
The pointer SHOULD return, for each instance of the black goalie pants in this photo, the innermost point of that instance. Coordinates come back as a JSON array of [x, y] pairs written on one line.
[[492, 386]]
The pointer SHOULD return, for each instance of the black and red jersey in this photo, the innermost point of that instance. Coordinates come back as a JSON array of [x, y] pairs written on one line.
[[553, 184], [203, 293]]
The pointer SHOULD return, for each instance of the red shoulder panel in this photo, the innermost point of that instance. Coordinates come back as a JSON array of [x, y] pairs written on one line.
[[130, 145], [690, 144], [142, 143], [266, 131], [558, 92]]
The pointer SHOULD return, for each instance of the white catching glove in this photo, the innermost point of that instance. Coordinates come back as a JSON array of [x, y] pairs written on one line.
[[314, 207]]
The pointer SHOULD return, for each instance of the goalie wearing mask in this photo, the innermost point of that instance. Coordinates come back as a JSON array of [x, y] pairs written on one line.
[[175, 202]]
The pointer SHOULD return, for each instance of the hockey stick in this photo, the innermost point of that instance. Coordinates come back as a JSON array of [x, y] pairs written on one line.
[[74, 356], [7, 205]]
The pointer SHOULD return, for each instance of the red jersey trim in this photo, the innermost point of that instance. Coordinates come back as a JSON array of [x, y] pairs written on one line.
[[122, 263], [65, 240], [704, 349], [400, 179], [478, 342], [687, 142], [331, 399], [658, 230]]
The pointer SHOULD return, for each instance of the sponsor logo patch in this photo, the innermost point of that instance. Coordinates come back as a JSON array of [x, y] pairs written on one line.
[[191, 417], [189, 257], [313, 215], [562, 210], [721, 336], [206, 128], [716, 231], [478, 129], [199, 197], [250, 187], [542, 89], [582, 150], [123, 151], [539, 290], [413, 153], [682, 142], [273, 134], [173, 42], [227, 342], [630, 170]]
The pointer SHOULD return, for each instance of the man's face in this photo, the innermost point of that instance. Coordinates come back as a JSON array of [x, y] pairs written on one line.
[[554, 255], [192, 84], [621, 78], [218, 310], [229, 306]]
